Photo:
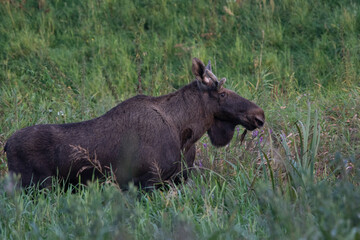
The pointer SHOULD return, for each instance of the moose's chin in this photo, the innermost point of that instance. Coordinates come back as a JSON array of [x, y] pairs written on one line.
[[221, 132]]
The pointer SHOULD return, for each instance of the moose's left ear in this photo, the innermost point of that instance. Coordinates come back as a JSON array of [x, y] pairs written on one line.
[[198, 68], [206, 79]]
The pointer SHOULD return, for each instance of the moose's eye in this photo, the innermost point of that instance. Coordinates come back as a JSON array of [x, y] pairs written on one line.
[[223, 94]]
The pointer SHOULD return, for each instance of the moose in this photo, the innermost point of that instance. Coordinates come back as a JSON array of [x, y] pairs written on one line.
[[142, 140]]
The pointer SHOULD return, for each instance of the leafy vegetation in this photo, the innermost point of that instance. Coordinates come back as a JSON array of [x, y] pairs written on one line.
[[298, 177]]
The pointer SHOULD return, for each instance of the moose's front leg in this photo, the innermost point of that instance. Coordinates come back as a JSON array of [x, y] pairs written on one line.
[[178, 171], [190, 156], [156, 164], [186, 165]]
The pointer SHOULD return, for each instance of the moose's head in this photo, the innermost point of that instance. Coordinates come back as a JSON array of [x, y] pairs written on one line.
[[228, 108]]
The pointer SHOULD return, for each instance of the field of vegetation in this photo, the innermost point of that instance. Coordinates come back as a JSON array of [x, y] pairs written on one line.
[[64, 61]]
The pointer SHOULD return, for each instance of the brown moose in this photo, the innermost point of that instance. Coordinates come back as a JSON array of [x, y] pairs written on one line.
[[142, 139]]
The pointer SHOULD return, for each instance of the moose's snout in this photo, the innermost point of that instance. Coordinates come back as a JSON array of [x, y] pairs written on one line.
[[259, 121], [257, 118]]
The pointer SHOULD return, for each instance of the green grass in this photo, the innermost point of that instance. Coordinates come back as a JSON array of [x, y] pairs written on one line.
[[66, 61]]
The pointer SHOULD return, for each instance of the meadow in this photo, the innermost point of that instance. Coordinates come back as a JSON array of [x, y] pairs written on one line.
[[298, 177]]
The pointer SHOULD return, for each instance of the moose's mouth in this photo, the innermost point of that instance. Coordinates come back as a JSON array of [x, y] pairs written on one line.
[[248, 126], [251, 122]]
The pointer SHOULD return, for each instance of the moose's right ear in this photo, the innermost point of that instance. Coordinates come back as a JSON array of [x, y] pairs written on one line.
[[198, 68]]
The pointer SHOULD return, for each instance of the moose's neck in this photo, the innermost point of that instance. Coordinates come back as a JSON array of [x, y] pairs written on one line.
[[188, 111]]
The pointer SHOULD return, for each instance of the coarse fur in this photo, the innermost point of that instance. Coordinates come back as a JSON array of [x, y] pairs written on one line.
[[142, 139]]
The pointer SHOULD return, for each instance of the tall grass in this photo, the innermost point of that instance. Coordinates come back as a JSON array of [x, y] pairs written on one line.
[[300, 164]]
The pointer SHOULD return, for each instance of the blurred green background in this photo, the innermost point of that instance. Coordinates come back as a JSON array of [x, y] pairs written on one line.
[[66, 61]]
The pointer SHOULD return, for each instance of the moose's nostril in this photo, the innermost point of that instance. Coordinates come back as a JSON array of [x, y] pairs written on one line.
[[259, 122]]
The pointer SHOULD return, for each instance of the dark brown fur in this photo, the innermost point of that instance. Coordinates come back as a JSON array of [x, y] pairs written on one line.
[[141, 140]]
